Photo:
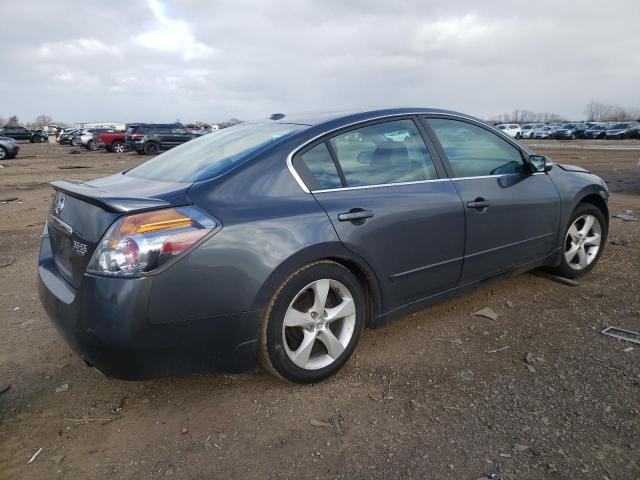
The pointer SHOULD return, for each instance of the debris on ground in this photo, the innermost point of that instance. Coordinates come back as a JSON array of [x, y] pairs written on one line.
[[556, 278], [319, 423], [626, 216], [620, 242], [6, 261], [35, 455], [498, 349], [487, 313], [622, 334], [518, 447], [3, 392], [62, 388]]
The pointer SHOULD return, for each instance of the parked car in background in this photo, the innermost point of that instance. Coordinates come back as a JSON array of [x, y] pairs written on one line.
[[272, 243], [113, 141], [8, 147], [623, 130], [64, 136], [18, 132], [526, 131], [150, 139], [89, 138], [511, 129], [544, 132], [569, 131], [596, 130]]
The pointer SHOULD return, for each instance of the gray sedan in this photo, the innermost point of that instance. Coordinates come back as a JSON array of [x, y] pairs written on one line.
[[8, 147], [276, 242]]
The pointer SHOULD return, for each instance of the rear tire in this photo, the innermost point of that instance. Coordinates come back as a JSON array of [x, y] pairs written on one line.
[[312, 323], [584, 239], [151, 148]]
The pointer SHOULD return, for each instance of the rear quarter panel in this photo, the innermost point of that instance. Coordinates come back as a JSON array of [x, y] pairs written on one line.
[[269, 228]]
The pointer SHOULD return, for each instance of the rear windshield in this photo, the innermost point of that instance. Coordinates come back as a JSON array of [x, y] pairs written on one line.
[[213, 154]]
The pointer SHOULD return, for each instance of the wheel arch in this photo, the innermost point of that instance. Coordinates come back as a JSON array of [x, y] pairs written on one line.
[[598, 201], [333, 251]]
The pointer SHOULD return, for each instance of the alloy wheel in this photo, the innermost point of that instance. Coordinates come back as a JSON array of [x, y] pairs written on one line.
[[319, 324], [582, 243]]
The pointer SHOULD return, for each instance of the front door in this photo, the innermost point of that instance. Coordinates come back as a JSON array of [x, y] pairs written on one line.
[[512, 217], [383, 193]]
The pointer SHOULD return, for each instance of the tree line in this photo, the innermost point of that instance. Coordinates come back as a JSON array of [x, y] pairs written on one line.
[[594, 112]]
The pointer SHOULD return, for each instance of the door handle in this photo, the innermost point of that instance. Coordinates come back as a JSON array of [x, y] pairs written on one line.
[[355, 214], [479, 204]]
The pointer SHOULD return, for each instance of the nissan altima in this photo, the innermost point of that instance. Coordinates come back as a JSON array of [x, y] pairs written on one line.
[[277, 242]]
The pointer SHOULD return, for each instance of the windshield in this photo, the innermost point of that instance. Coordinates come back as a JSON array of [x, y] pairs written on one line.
[[213, 154]]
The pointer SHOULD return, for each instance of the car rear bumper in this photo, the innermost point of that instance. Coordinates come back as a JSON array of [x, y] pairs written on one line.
[[106, 323], [12, 149]]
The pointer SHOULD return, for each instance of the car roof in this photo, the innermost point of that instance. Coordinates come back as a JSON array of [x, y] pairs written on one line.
[[358, 115]]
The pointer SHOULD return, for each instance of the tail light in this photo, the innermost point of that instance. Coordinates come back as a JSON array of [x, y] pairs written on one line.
[[141, 243]]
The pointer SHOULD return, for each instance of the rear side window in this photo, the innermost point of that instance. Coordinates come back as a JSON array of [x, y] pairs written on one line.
[[213, 155], [473, 151], [316, 167], [383, 153]]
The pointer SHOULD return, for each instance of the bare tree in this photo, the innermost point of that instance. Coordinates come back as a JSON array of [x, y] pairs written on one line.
[[527, 116], [42, 121]]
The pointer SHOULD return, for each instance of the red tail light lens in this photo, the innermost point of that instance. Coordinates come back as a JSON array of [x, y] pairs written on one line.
[[141, 243]]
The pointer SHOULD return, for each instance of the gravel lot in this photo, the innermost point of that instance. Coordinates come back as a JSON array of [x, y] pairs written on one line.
[[537, 393]]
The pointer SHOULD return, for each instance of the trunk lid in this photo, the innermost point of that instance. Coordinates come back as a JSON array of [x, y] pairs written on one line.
[[81, 212]]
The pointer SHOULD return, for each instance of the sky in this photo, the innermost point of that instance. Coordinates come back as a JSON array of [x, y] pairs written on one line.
[[162, 60]]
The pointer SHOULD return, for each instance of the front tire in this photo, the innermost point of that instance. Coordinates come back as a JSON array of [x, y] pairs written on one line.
[[312, 324], [584, 239]]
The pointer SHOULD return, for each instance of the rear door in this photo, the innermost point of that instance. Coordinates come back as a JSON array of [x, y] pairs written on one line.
[[180, 135], [386, 196], [512, 217]]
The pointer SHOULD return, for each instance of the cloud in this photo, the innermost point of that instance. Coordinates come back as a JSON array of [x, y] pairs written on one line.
[[196, 59], [172, 36]]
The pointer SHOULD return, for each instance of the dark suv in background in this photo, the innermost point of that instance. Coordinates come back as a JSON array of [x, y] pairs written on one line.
[[20, 133], [149, 138]]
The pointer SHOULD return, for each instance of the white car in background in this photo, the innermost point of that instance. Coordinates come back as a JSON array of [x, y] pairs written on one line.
[[526, 130], [511, 129]]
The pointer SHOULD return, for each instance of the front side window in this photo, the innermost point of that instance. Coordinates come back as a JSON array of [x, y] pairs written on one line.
[[473, 151], [389, 152]]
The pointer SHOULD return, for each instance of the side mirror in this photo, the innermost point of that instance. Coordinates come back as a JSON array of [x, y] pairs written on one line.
[[539, 163]]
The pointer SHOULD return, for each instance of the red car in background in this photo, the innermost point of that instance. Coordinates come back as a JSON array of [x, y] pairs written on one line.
[[113, 141]]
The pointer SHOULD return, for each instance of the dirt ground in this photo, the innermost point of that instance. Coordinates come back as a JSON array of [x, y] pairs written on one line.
[[440, 394]]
